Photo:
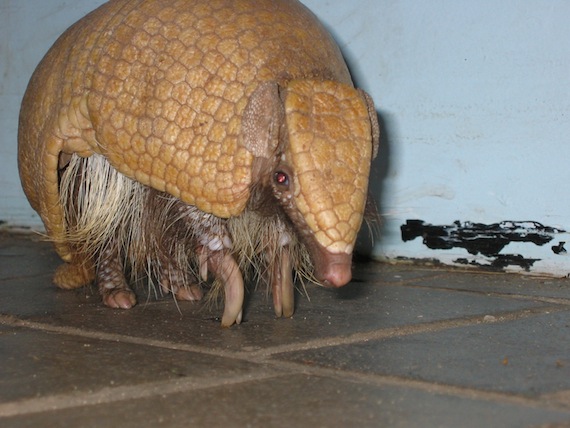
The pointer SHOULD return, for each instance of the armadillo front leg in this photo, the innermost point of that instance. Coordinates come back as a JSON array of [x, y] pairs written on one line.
[[282, 285], [214, 255], [111, 280], [281, 278], [223, 265]]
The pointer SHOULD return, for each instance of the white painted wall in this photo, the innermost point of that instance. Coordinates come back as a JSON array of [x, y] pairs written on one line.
[[474, 95], [27, 30]]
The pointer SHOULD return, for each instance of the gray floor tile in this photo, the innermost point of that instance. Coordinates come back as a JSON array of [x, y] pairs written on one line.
[[23, 255], [358, 307], [500, 283], [298, 401], [401, 346], [370, 271], [528, 356], [36, 364]]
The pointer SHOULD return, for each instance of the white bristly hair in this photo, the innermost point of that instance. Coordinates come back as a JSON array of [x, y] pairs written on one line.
[[150, 229]]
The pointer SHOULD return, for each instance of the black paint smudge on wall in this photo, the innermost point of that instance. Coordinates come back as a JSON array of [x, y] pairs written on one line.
[[501, 261], [485, 239], [559, 248]]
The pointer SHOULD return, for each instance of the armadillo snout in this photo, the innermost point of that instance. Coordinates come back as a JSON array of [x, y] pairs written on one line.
[[337, 276], [333, 270]]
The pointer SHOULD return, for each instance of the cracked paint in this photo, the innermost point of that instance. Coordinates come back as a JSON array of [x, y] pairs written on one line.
[[485, 239]]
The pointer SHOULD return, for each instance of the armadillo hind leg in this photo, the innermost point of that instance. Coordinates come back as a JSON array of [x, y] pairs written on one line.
[[173, 279], [111, 281], [73, 275], [166, 242]]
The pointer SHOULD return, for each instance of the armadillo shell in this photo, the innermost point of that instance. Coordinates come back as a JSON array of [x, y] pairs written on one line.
[[159, 88]]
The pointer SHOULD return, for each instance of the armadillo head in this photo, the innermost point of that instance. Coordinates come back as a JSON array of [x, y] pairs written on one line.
[[326, 134]]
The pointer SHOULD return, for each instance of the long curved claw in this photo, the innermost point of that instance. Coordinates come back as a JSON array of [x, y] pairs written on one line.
[[287, 289], [203, 263], [277, 304], [282, 286], [224, 267]]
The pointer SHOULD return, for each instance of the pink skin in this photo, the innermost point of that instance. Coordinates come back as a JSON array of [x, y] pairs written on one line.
[[336, 271], [120, 299], [331, 269]]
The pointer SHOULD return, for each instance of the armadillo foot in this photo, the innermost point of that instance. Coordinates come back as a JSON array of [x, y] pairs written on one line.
[[189, 292], [119, 298], [112, 284], [225, 268], [282, 286], [68, 276], [174, 280]]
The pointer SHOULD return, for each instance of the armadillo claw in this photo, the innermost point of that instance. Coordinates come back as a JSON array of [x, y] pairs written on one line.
[[203, 263], [225, 268], [282, 287], [119, 299], [190, 293], [174, 280], [288, 295]]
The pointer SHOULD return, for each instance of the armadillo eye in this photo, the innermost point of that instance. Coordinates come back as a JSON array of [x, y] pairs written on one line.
[[281, 178]]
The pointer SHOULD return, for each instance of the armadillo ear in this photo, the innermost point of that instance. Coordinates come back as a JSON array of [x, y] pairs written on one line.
[[262, 118], [373, 122]]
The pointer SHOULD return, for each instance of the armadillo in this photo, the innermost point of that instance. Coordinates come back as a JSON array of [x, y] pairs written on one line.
[[198, 142]]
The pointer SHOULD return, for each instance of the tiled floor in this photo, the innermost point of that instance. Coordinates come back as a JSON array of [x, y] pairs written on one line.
[[401, 346]]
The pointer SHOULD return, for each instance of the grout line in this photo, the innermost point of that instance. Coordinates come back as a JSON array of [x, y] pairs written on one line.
[[490, 293], [261, 355], [123, 393], [553, 402], [283, 368], [549, 300], [12, 321], [24, 277], [111, 394], [404, 282], [406, 330], [561, 398]]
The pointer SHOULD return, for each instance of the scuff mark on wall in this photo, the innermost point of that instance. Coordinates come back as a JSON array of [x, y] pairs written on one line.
[[485, 239]]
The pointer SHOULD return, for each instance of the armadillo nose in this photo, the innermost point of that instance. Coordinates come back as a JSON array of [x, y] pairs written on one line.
[[336, 272], [337, 276]]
